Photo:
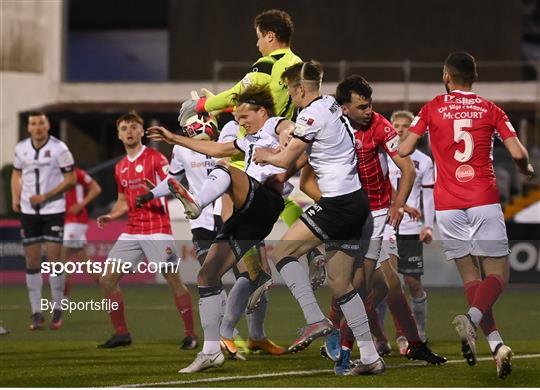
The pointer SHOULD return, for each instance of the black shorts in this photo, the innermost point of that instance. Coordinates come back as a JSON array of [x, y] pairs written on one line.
[[42, 227], [251, 224], [410, 251], [203, 238], [338, 221]]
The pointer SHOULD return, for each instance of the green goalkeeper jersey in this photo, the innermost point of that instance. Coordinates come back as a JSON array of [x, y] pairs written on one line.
[[266, 71]]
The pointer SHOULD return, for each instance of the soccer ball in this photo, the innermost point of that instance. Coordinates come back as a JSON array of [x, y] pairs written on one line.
[[201, 126]]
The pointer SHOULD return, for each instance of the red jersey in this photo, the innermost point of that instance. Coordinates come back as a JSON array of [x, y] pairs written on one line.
[[462, 127], [76, 195], [130, 173], [372, 165]]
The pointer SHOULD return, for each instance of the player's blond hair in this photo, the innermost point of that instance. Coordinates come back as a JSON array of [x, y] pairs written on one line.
[[401, 114]]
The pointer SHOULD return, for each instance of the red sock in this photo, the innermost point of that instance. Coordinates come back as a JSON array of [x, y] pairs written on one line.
[[335, 314], [487, 324], [347, 336], [487, 293], [67, 287], [375, 323], [185, 308], [402, 316], [117, 316]]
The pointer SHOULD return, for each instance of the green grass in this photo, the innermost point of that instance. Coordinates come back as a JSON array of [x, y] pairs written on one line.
[[69, 358]]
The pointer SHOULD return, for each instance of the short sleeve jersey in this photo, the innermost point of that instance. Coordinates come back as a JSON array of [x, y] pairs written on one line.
[[322, 125], [76, 195], [266, 137], [372, 145], [197, 166], [130, 174], [424, 179], [461, 128], [42, 170]]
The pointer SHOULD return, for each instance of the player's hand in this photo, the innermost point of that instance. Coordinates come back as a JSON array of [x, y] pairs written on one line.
[[191, 107], [261, 155], [142, 199], [529, 173], [160, 133], [103, 220], [75, 209], [16, 205], [37, 199], [395, 215], [426, 235], [415, 214]]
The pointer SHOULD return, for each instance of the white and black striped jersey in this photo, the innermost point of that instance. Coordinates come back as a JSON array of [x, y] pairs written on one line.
[[331, 146], [266, 137], [196, 166], [42, 170], [424, 180]]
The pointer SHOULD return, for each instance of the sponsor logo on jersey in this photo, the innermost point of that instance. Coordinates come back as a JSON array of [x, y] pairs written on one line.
[[124, 183], [124, 170], [464, 173]]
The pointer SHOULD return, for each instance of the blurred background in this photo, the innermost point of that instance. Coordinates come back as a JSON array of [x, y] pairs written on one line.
[[85, 63]]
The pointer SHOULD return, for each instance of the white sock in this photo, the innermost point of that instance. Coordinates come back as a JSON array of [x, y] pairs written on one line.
[[236, 305], [214, 186], [381, 312], [57, 289], [419, 306], [256, 320], [355, 314], [476, 315], [34, 283], [223, 296], [297, 280], [209, 311], [494, 339]]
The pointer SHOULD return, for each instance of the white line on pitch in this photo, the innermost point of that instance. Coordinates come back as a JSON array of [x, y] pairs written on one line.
[[297, 373]]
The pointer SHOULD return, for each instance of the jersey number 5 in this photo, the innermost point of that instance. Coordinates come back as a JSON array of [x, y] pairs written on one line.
[[466, 137]]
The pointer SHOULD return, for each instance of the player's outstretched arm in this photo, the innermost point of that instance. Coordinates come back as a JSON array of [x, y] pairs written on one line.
[[520, 156], [408, 145], [210, 148], [286, 158]]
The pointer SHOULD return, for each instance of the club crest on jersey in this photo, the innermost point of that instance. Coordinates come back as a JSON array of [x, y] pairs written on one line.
[[464, 173], [139, 168], [47, 153]]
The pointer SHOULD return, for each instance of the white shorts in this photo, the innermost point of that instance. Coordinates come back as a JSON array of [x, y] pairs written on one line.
[[133, 248], [373, 232], [389, 244], [478, 231], [75, 235]]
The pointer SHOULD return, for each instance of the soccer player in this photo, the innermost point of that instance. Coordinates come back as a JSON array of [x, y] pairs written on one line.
[[274, 30], [462, 126], [257, 199], [42, 172], [375, 138], [324, 134], [76, 220], [148, 232], [408, 259]]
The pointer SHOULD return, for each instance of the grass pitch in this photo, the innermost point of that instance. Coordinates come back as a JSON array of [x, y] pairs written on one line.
[[69, 357]]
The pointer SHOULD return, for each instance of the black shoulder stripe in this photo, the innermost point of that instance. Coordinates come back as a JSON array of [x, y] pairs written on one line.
[[262, 67], [277, 124], [304, 139]]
